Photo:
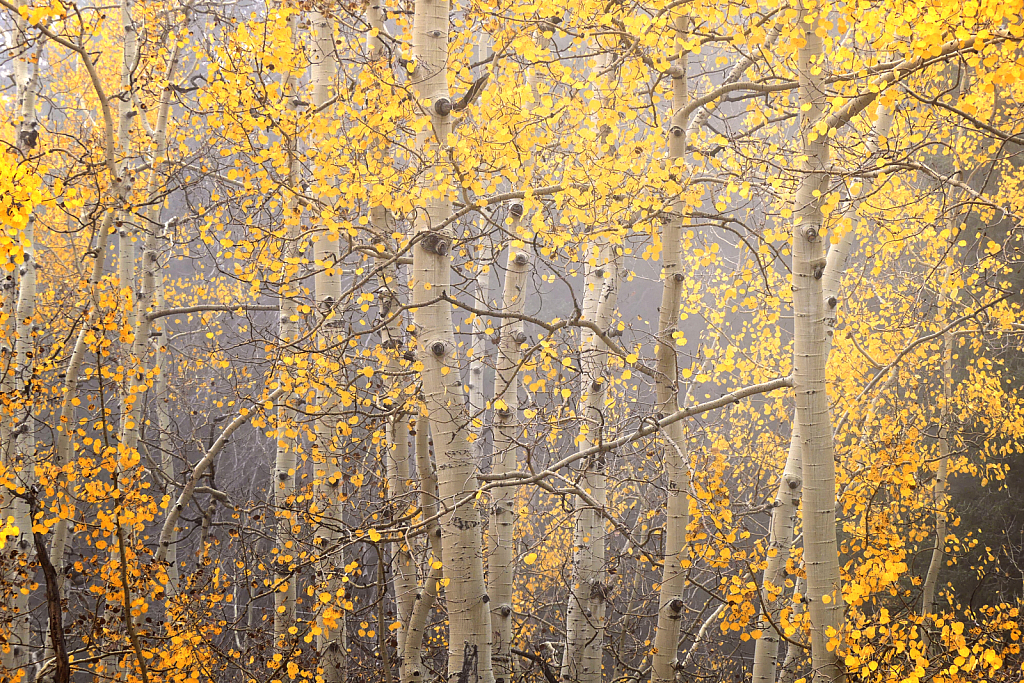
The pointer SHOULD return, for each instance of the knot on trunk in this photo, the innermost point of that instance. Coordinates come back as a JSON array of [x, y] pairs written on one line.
[[435, 243]]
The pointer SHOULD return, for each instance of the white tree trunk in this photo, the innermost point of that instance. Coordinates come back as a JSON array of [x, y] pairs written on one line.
[[120, 185], [501, 547], [286, 462], [163, 414], [786, 504], [26, 442], [469, 640], [328, 475], [793, 650], [781, 532], [478, 348], [813, 424], [585, 617], [397, 444], [411, 670], [670, 604], [17, 432], [126, 229]]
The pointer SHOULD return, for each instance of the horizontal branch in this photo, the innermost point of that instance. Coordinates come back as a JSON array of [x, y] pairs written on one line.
[[204, 308], [497, 199], [724, 90], [551, 328], [646, 428]]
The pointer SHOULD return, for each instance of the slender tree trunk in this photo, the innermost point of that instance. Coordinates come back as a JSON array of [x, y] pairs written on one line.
[[125, 227], [781, 533], [328, 475], [163, 414], [670, 603], [501, 535], [397, 444], [17, 429], [584, 649], [132, 350], [585, 614], [478, 349], [931, 580], [469, 646], [411, 670], [120, 185], [150, 296], [26, 443], [785, 506], [813, 429], [286, 460], [794, 652]]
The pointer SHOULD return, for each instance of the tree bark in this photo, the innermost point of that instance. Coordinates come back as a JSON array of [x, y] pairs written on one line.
[[813, 429], [670, 604], [931, 580], [787, 500], [286, 460], [501, 534], [469, 640], [411, 668], [585, 619], [781, 533]]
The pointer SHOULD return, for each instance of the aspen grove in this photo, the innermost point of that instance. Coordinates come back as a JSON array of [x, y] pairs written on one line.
[[489, 341]]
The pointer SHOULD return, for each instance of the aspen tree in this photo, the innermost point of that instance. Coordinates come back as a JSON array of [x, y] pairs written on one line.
[[581, 623], [25, 445], [469, 646], [478, 398], [125, 228], [18, 445], [150, 288], [163, 397], [785, 506], [286, 461], [328, 287], [588, 592], [931, 579], [939, 499], [812, 423], [130, 350], [114, 141], [397, 453], [670, 603], [794, 651], [411, 669], [501, 534]]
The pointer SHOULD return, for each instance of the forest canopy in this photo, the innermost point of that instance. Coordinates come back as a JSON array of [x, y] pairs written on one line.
[[494, 341]]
